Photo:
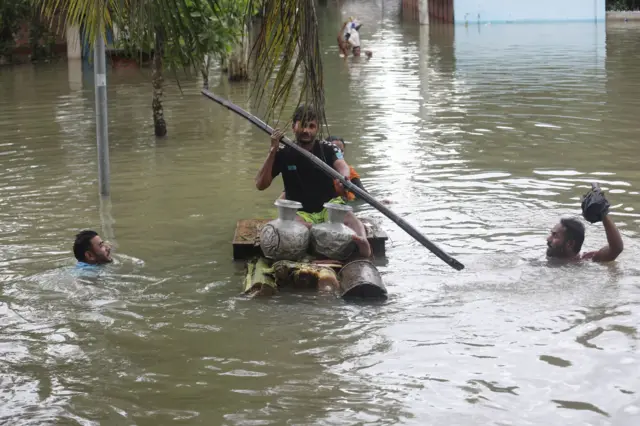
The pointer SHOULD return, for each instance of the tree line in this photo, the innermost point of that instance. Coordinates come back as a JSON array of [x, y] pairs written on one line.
[[622, 5], [185, 36]]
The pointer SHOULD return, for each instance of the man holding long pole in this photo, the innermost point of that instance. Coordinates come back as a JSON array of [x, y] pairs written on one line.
[[305, 183], [264, 179]]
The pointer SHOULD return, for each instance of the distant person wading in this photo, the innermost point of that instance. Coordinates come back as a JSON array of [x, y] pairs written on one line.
[[349, 39]]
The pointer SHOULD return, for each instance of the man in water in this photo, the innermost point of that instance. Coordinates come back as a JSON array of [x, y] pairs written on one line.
[[90, 250], [305, 183], [566, 238], [354, 177], [349, 37]]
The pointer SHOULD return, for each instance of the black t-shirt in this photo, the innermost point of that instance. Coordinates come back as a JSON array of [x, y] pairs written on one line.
[[303, 181]]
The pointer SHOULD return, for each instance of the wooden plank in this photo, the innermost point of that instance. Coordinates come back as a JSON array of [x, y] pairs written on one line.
[[245, 239], [246, 242]]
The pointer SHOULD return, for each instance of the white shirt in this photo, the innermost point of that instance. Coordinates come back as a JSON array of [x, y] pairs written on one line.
[[354, 38]]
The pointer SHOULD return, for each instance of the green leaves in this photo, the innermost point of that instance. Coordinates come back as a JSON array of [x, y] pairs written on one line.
[[622, 5], [287, 51], [94, 15], [12, 15]]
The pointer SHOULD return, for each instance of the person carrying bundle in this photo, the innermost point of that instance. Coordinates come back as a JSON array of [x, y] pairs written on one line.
[[566, 238]]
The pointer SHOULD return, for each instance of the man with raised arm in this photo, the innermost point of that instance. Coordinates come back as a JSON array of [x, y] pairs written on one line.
[[566, 238]]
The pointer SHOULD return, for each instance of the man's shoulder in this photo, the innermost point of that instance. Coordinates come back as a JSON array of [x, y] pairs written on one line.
[[588, 255], [324, 144], [330, 149]]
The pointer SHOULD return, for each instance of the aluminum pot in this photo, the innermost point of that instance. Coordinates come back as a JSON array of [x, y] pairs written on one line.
[[285, 238]]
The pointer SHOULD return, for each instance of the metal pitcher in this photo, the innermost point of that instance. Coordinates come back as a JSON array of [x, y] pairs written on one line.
[[285, 238], [333, 239]]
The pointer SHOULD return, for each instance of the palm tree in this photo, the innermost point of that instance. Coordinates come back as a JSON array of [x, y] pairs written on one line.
[[287, 45]]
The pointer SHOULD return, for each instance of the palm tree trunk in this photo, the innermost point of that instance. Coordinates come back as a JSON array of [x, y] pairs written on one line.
[[205, 72], [224, 63], [239, 59], [159, 125]]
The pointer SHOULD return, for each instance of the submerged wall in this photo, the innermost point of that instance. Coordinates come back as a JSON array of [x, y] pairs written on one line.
[[506, 11]]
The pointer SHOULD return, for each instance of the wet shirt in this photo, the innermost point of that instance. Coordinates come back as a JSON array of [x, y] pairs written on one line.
[[304, 182], [86, 270]]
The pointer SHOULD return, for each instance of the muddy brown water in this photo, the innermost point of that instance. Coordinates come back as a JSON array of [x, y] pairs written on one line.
[[482, 137]]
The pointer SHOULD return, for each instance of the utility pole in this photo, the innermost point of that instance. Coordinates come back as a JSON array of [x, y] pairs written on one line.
[[102, 123]]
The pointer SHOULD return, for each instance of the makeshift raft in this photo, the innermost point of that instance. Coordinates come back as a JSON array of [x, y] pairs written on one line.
[[357, 278], [246, 241]]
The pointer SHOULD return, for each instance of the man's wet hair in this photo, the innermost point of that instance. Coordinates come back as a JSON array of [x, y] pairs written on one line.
[[83, 243], [304, 114], [573, 231]]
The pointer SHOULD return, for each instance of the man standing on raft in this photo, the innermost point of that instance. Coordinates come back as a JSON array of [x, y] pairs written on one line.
[[303, 182]]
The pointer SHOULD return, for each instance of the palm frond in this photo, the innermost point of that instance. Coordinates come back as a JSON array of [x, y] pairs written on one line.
[[286, 48], [93, 16], [288, 44]]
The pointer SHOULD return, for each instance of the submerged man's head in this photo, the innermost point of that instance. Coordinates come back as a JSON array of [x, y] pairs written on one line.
[[89, 248], [566, 238]]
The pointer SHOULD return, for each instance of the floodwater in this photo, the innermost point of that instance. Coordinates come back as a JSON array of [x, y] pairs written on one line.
[[482, 137]]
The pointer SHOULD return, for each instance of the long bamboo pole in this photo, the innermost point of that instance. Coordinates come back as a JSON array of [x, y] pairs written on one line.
[[347, 184]]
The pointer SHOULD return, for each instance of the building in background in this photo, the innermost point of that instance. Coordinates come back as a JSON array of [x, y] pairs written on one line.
[[504, 11]]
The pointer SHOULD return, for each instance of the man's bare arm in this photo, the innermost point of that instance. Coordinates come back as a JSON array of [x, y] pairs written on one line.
[[342, 167], [341, 32], [265, 176], [614, 245]]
